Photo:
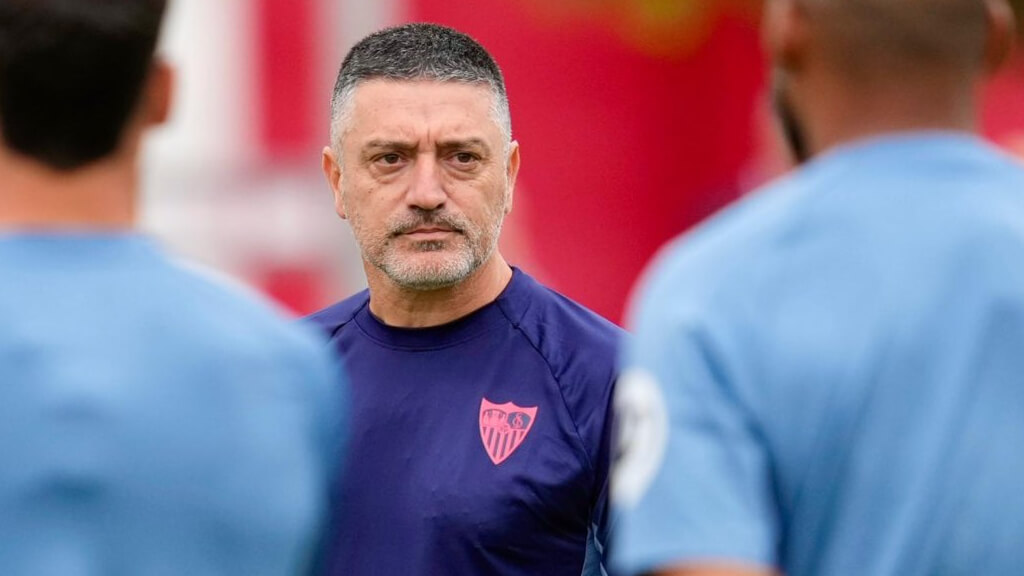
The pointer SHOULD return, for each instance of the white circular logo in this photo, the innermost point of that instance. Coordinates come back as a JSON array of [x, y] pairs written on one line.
[[642, 436]]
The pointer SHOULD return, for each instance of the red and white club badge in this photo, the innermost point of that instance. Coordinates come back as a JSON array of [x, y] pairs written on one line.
[[503, 427]]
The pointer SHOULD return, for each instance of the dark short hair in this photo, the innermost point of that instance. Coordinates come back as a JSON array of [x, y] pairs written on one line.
[[71, 74], [420, 51]]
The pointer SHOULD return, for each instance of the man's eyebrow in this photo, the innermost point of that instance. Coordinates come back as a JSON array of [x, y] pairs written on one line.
[[389, 145], [463, 143], [408, 146]]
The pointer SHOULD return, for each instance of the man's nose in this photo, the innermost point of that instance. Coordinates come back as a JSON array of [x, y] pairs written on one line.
[[426, 190]]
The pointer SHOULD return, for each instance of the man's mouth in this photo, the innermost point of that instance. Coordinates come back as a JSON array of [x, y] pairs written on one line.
[[428, 233]]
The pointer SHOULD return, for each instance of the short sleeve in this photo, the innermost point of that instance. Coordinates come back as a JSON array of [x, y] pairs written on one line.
[[599, 532], [692, 480]]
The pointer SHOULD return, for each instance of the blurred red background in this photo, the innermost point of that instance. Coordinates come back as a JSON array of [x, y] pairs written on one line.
[[636, 118]]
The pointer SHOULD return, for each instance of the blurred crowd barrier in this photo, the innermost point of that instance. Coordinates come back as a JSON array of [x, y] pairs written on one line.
[[637, 119]]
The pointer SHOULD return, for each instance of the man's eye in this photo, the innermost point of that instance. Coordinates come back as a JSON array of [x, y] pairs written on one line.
[[390, 159], [465, 158]]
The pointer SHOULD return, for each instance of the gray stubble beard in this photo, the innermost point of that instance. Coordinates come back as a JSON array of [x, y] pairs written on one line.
[[449, 272]]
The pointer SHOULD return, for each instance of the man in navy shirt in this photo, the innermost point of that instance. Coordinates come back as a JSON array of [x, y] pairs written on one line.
[[480, 397]]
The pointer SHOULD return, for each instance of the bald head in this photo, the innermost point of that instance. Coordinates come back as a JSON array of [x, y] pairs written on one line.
[[848, 69], [884, 36]]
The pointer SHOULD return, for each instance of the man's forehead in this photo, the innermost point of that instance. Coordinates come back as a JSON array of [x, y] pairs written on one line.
[[400, 110], [423, 91]]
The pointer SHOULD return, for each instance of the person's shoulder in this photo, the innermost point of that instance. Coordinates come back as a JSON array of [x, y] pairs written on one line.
[[244, 327], [1004, 168], [555, 322], [221, 307], [233, 323], [1002, 158], [579, 347], [726, 249], [332, 318]]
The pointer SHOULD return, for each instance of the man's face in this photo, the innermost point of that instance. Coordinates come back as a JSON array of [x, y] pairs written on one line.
[[425, 179]]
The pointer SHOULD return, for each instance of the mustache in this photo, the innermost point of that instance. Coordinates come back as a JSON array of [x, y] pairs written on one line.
[[423, 218]]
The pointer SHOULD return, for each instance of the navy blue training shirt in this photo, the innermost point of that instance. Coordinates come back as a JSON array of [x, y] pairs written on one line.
[[477, 447]]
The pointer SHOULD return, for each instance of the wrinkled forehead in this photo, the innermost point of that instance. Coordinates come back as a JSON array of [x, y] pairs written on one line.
[[392, 108]]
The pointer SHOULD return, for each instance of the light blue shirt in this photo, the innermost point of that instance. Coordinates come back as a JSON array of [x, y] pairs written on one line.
[[828, 377], [153, 421]]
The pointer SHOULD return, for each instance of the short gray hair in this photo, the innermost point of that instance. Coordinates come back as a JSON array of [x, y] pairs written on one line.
[[418, 51]]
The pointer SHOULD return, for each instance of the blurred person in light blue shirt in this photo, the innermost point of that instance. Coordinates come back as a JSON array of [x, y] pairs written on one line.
[[828, 377], [153, 421]]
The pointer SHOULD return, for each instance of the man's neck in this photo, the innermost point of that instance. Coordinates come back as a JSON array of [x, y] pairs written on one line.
[[838, 114], [405, 308], [99, 196]]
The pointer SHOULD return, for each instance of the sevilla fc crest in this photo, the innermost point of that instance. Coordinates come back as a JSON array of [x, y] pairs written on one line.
[[503, 427]]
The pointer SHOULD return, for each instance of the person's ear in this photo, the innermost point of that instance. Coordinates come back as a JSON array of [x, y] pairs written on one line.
[[159, 93], [332, 171], [511, 173], [784, 32], [999, 38]]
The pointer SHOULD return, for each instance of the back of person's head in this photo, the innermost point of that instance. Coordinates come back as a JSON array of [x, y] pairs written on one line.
[[843, 69], [71, 75], [880, 38], [419, 51]]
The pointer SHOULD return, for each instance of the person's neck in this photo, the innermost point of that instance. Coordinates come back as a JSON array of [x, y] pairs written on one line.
[[100, 196], [839, 113], [405, 308]]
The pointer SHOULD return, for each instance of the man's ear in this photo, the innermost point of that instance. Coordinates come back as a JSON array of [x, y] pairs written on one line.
[[159, 93], [332, 171], [512, 172], [1001, 33], [784, 32]]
